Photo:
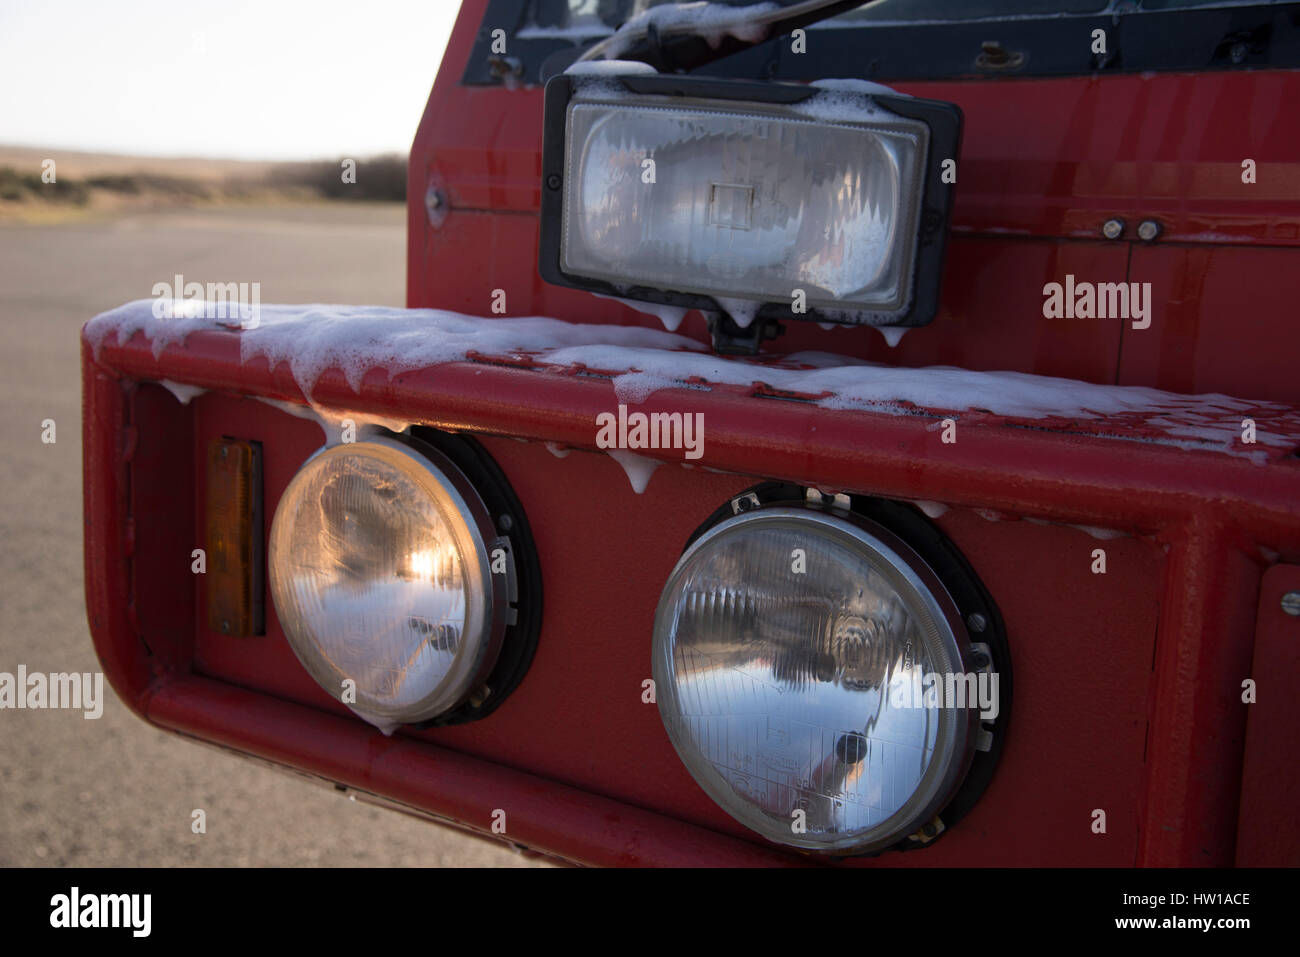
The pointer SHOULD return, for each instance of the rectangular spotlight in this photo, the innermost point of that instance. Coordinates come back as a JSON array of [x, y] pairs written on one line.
[[803, 202]]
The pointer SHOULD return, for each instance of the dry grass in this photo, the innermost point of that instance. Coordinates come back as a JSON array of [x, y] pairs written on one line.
[[93, 185], [77, 165]]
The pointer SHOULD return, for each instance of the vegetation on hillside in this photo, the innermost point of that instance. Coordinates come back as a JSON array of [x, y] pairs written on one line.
[[379, 179]]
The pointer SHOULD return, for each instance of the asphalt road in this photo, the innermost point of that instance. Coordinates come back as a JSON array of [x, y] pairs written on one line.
[[114, 791]]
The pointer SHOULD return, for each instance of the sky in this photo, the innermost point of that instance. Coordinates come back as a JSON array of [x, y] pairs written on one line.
[[242, 79]]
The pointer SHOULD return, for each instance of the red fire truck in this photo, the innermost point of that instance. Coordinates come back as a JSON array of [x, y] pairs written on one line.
[[778, 383]]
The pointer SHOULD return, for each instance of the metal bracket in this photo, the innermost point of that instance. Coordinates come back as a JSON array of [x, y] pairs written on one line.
[[836, 500], [996, 58], [731, 339], [929, 831], [981, 660], [507, 69]]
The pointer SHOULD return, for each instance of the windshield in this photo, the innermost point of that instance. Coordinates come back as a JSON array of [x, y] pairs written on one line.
[[893, 41], [594, 18]]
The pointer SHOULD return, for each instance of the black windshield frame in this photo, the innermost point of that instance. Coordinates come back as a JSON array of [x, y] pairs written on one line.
[[1185, 39]]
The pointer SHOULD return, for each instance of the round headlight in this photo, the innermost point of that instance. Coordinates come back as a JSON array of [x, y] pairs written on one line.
[[789, 647], [381, 565]]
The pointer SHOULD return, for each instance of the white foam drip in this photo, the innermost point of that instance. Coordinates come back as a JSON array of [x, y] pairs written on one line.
[[183, 393], [712, 21], [292, 408], [893, 334], [610, 68], [931, 509], [1096, 531], [742, 311], [853, 85], [386, 725], [334, 422], [357, 339], [639, 468], [670, 316], [844, 104]]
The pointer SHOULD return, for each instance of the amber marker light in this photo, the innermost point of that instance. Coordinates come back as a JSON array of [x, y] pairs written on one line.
[[235, 559]]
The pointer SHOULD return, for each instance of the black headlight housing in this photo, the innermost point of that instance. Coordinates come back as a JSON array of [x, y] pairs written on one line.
[[916, 241]]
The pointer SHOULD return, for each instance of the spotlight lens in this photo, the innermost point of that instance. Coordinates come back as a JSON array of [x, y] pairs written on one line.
[[747, 200], [787, 646], [380, 577]]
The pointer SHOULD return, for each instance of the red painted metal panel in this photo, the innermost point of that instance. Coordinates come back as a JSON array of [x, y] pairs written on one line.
[[1224, 321], [579, 826], [108, 444], [1197, 722], [162, 580], [1269, 831], [1166, 146], [991, 313]]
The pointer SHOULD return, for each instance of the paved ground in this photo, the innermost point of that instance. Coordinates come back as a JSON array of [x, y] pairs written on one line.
[[115, 791]]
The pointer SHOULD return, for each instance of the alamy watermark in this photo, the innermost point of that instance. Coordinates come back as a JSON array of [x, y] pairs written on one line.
[[1100, 300], [75, 909], [235, 302], [58, 690], [952, 690], [653, 430]]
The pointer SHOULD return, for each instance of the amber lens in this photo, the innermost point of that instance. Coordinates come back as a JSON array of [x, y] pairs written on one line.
[[234, 539]]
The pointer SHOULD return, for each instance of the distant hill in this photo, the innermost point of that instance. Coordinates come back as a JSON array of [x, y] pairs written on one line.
[[80, 165], [106, 182]]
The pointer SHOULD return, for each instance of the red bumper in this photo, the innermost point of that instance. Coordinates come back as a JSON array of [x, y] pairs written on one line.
[[1129, 685]]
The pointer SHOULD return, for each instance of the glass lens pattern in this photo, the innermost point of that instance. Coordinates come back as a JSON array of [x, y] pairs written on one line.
[[372, 573], [747, 205], [783, 646]]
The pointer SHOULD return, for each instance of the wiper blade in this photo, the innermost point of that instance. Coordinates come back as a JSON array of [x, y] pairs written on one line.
[[681, 37]]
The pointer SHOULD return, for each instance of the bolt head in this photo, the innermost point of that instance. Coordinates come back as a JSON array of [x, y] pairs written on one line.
[[1113, 228], [435, 204], [1291, 603], [1148, 230], [975, 622]]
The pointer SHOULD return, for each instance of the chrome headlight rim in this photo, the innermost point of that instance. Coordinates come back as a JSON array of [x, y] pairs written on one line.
[[948, 585], [521, 618], [503, 608]]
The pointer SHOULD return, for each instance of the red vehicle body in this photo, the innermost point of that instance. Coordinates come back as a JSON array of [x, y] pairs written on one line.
[[1128, 684]]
